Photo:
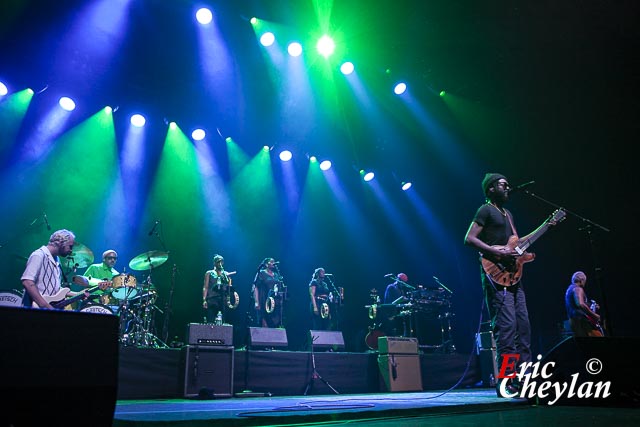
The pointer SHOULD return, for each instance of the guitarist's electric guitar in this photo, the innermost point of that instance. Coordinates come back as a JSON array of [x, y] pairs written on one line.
[[508, 271], [59, 301]]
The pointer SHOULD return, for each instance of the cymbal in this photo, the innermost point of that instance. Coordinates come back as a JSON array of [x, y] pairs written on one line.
[[81, 256], [148, 260]]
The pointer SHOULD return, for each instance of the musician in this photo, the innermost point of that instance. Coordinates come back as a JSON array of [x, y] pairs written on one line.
[[267, 295], [104, 271], [493, 225], [584, 321], [321, 307], [43, 274], [393, 322], [216, 287]]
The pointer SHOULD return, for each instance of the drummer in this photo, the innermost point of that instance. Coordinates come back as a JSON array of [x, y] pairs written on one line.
[[104, 271]]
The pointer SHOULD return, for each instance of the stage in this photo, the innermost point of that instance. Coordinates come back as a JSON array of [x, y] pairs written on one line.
[[458, 407], [147, 373]]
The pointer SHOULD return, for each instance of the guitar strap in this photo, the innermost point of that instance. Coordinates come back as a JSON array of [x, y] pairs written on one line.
[[513, 229]]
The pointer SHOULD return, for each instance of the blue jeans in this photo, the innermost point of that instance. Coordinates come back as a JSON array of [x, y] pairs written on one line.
[[509, 319]]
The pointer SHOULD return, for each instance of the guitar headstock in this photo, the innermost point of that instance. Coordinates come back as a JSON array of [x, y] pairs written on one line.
[[558, 216]]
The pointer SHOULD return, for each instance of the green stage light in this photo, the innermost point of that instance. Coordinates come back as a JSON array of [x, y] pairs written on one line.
[[326, 46]]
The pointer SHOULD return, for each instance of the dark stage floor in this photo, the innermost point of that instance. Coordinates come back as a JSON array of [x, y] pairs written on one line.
[[471, 407]]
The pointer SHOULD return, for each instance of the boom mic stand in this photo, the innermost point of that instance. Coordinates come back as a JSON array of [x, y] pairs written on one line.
[[588, 228], [314, 374]]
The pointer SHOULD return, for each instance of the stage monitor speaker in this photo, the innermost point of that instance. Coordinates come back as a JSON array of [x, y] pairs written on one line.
[[485, 341], [400, 372], [209, 334], [208, 371], [397, 345], [267, 337], [596, 361], [53, 357], [326, 340]]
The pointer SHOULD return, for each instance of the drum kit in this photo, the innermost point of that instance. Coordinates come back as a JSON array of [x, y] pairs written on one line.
[[131, 300]]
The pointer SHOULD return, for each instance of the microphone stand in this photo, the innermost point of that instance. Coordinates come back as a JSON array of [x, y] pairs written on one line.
[[588, 228], [335, 302], [314, 374], [167, 308]]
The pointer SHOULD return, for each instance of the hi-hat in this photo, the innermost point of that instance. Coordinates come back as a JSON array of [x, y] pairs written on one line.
[[81, 257], [148, 260]]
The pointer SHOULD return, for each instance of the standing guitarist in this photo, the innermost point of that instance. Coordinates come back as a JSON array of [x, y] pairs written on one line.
[[42, 276], [584, 321], [489, 232]]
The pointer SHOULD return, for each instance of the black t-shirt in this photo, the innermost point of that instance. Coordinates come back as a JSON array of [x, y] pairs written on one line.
[[496, 228]]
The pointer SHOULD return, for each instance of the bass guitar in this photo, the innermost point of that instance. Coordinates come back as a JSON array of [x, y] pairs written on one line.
[[594, 322], [508, 271], [58, 300]]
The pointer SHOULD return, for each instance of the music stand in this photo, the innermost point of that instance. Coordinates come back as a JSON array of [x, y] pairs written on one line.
[[315, 374]]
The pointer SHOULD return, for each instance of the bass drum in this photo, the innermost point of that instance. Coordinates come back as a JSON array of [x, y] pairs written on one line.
[[96, 308], [372, 338], [10, 298]]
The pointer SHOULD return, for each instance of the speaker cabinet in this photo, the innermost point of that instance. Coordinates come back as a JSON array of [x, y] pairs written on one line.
[[208, 371], [267, 337], [400, 372], [595, 360], [50, 357], [209, 334], [326, 340], [398, 345]]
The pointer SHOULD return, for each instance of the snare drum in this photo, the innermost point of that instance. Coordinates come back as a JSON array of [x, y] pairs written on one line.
[[11, 298], [96, 308], [124, 286]]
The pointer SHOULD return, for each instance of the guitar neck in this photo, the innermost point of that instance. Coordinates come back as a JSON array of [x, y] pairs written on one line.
[[524, 244], [67, 301]]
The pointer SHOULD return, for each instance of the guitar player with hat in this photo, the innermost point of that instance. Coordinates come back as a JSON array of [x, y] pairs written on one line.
[[493, 234]]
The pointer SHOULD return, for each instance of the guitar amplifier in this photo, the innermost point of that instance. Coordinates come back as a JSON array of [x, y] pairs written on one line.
[[397, 345], [209, 334]]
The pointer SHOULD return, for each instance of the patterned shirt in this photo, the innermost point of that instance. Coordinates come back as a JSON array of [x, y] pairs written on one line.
[[44, 270]]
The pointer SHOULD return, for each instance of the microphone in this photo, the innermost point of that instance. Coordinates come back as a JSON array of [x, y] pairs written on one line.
[[521, 187], [276, 262], [46, 220], [155, 224], [328, 274], [389, 275]]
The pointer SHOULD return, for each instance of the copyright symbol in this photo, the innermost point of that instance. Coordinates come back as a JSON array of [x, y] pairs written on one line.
[[594, 366]]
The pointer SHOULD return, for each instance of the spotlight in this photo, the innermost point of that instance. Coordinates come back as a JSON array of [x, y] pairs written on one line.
[[400, 88], [406, 186], [325, 46], [285, 155], [204, 16], [325, 165], [67, 103], [347, 68], [294, 49], [267, 39], [138, 120], [266, 148], [313, 159], [367, 176], [3, 89], [253, 20], [198, 134], [442, 93]]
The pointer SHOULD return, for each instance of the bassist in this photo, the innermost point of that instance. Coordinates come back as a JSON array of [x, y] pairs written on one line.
[[584, 321]]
